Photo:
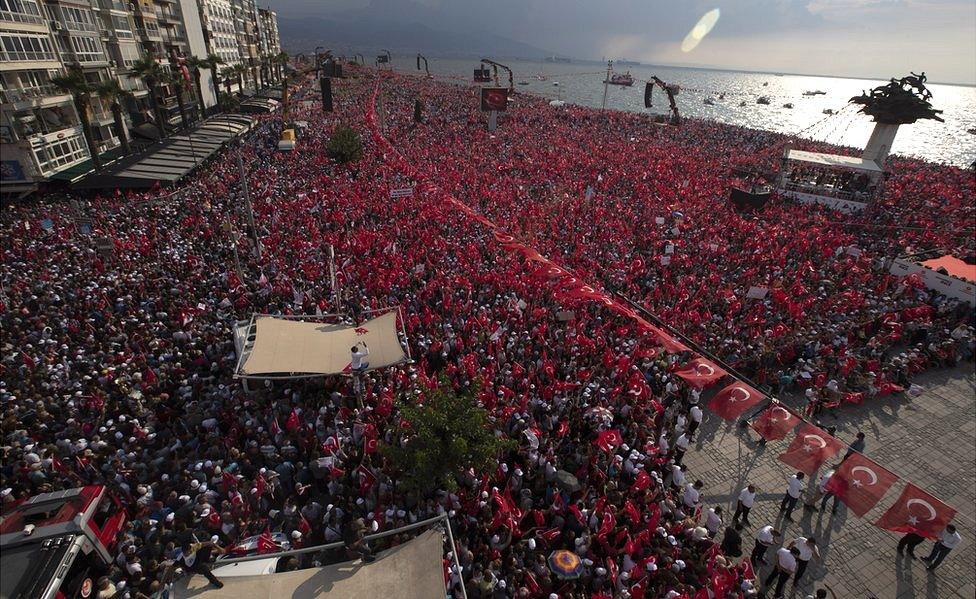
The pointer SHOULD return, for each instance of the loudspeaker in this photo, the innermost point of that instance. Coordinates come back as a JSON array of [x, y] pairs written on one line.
[[648, 90], [418, 111], [749, 201], [326, 84]]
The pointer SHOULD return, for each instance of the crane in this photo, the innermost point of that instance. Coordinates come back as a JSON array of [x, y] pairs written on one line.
[[670, 90], [495, 65]]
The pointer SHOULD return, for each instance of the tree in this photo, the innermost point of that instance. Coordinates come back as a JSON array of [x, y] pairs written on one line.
[[445, 435], [280, 59], [228, 74], [345, 145], [73, 82], [239, 71], [213, 62], [195, 63], [175, 80], [111, 90], [151, 73]]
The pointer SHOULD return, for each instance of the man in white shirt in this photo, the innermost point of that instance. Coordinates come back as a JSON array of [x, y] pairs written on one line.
[[692, 494], [358, 363], [747, 497], [680, 447], [678, 476], [794, 490], [765, 538], [713, 520], [695, 416], [807, 548], [785, 566], [948, 540], [820, 491]]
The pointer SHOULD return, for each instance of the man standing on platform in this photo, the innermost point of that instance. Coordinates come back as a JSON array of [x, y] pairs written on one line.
[[747, 497]]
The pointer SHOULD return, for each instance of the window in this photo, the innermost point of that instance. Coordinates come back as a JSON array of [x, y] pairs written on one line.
[[87, 49], [76, 19], [25, 47], [129, 54], [20, 11], [123, 29], [60, 153]]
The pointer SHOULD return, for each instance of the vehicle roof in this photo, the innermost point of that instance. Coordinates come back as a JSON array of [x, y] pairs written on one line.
[[51, 514]]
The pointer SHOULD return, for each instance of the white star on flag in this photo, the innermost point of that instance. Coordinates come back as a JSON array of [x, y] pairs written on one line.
[[809, 448], [913, 520], [857, 483]]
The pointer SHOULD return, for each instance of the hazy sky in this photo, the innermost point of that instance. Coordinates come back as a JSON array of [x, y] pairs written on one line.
[[858, 38]]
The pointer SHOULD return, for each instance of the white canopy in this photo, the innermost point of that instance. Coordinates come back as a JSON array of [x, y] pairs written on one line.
[[834, 160], [298, 347], [409, 571]]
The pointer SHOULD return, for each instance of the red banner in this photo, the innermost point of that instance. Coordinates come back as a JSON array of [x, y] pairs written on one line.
[[810, 448], [775, 422], [860, 483], [735, 400], [917, 511]]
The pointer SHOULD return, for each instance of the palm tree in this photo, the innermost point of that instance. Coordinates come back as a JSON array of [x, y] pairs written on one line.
[[111, 90], [149, 71], [228, 74], [212, 62], [281, 59], [176, 81], [239, 71], [73, 82], [195, 64]]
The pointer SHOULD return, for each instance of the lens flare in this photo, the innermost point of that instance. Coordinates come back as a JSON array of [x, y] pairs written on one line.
[[700, 30]]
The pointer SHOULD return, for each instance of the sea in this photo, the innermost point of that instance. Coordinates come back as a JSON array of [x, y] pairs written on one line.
[[582, 83]]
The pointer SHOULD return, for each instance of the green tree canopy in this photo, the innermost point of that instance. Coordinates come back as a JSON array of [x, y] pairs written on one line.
[[344, 146], [447, 433]]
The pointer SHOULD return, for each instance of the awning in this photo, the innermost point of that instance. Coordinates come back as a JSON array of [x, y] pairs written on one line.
[[288, 346], [834, 160], [412, 570], [954, 267]]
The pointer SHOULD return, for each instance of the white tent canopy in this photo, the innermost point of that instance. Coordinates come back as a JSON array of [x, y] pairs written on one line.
[[409, 571], [279, 347], [834, 160]]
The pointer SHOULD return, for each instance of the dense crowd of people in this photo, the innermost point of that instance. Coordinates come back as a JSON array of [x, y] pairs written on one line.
[[118, 365]]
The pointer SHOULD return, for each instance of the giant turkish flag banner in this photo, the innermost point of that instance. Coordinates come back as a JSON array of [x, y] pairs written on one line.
[[700, 373], [810, 448], [916, 511], [734, 400], [860, 483], [775, 422]]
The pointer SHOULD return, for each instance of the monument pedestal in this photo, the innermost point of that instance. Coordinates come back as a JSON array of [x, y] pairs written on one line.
[[880, 143]]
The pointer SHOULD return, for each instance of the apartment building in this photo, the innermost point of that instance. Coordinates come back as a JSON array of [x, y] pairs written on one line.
[[40, 132]]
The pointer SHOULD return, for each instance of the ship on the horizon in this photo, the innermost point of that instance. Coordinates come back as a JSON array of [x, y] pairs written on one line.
[[558, 59], [629, 63], [620, 79]]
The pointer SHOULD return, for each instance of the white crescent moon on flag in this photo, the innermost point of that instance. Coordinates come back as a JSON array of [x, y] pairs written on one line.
[[505, 238], [871, 473], [709, 371], [555, 270], [786, 413], [928, 506], [746, 394], [819, 440]]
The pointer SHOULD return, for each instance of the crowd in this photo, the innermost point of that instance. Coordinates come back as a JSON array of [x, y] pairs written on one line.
[[117, 366]]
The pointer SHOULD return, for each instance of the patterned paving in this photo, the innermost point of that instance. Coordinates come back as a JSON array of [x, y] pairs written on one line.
[[930, 440]]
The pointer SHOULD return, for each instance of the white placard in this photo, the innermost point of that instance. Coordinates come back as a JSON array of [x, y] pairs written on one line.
[[665, 260], [757, 292], [403, 192], [669, 249], [659, 220]]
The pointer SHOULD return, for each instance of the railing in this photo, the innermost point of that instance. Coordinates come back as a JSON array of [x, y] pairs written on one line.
[[11, 96], [8, 56], [20, 17], [79, 26]]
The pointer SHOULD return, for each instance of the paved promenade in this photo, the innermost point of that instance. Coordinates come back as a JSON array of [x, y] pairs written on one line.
[[930, 440]]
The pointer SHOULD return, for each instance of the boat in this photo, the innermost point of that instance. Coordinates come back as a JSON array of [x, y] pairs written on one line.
[[816, 92], [620, 79], [971, 130], [828, 111], [762, 100], [742, 103], [625, 62], [555, 84], [558, 59], [788, 105], [523, 82], [721, 96], [541, 77], [708, 101], [765, 83]]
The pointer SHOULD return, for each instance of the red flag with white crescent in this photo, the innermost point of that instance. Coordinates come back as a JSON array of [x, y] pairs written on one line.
[[700, 373], [916, 511], [735, 400], [775, 422], [860, 483], [810, 448]]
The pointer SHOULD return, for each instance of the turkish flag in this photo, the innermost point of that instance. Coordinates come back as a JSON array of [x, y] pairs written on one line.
[[642, 481], [292, 423], [370, 437], [494, 98], [700, 373], [775, 422], [810, 448], [916, 511], [860, 483], [734, 400], [609, 439], [266, 542]]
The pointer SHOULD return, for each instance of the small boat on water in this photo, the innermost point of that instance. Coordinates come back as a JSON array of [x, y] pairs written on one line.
[[788, 105], [620, 79], [523, 82], [721, 96], [762, 100], [541, 77], [828, 111], [742, 103], [971, 130], [765, 83], [815, 92], [708, 101]]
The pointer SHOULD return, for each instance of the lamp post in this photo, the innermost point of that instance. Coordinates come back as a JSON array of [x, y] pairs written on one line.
[[247, 204]]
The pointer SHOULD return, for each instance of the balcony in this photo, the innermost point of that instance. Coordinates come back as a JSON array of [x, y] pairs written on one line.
[[34, 95], [8, 16], [22, 56]]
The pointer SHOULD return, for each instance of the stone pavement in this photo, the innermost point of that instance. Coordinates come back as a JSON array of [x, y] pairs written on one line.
[[930, 441]]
